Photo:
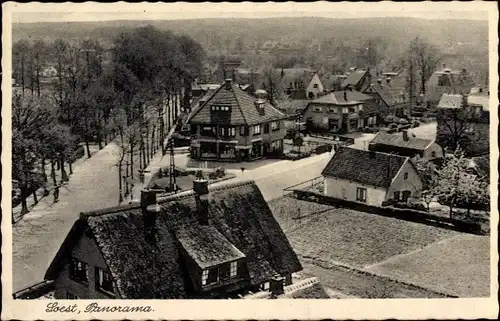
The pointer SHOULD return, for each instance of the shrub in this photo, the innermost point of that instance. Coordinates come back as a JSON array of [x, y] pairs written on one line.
[[213, 175], [220, 172], [323, 149]]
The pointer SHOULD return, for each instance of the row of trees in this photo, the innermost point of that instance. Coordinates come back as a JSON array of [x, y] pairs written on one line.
[[38, 140], [453, 184], [132, 97]]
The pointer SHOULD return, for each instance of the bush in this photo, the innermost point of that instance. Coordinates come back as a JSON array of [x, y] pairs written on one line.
[[220, 172], [213, 175], [323, 149], [291, 133]]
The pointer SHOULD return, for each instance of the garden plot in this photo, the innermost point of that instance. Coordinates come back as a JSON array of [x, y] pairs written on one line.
[[459, 266], [350, 237]]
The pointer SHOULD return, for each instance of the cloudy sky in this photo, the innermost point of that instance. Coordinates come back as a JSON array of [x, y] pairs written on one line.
[[124, 11]]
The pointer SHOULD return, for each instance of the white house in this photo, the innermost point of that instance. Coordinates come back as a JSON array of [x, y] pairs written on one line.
[[371, 177], [314, 87]]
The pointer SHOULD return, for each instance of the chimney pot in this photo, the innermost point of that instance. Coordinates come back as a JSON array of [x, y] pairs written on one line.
[[277, 286], [228, 83], [200, 186]]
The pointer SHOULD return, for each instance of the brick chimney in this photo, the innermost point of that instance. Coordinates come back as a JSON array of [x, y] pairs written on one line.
[[150, 210], [277, 286], [405, 135], [228, 83], [200, 188]]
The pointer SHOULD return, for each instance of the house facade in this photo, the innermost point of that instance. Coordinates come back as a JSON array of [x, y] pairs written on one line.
[[447, 81], [370, 177], [302, 83], [341, 111], [464, 121], [191, 245], [405, 144], [232, 125]]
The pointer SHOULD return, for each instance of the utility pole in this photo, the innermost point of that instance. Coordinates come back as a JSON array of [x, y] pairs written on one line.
[[173, 182]]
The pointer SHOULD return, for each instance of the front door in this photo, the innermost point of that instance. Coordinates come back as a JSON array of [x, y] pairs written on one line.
[[406, 195]]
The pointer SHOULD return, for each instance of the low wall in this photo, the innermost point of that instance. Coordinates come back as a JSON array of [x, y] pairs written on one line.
[[389, 211]]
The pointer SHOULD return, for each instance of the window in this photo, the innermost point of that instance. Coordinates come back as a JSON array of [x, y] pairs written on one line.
[[242, 131], [318, 109], [361, 194], [275, 125], [71, 296], [396, 196], [332, 110], [276, 146], [228, 132], [256, 129], [78, 271], [234, 269], [266, 128], [345, 110], [360, 107], [315, 85], [204, 277], [405, 176], [433, 154], [104, 281], [352, 109]]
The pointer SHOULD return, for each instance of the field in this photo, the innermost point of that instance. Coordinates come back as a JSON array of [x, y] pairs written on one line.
[[465, 271], [343, 245]]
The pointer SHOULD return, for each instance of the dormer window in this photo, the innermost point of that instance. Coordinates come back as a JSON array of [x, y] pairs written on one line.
[[218, 262]]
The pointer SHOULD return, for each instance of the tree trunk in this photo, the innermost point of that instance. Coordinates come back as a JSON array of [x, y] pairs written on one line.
[[143, 154], [53, 172], [87, 146], [24, 204], [120, 196], [35, 197], [58, 165], [132, 160], [70, 168], [45, 178], [64, 175]]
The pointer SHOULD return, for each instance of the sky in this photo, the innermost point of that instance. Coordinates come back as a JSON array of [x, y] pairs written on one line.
[[24, 13]]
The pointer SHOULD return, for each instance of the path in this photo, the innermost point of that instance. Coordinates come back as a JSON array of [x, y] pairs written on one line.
[[38, 236]]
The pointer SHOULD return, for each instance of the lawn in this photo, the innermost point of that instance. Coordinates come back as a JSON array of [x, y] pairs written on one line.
[[356, 284], [459, 265], [347, 236]]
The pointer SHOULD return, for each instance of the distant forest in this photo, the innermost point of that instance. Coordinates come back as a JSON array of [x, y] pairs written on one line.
[[334, 43]]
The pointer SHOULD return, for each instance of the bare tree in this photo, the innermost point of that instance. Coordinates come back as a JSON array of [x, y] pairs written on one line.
[[425, 57]]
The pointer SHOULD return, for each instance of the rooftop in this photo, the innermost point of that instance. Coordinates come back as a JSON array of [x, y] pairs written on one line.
[[396, 140], [207, 246], [242, 108], [372, 168], [450, 101], [337, 98]]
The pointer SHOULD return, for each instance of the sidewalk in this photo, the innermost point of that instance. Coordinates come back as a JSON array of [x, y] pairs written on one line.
[[16, 211]]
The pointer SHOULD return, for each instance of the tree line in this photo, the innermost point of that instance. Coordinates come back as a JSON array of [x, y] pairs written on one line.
[[131, 94]]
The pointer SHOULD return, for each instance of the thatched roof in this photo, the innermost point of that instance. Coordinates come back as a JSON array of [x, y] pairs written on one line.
[[237, 212]]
